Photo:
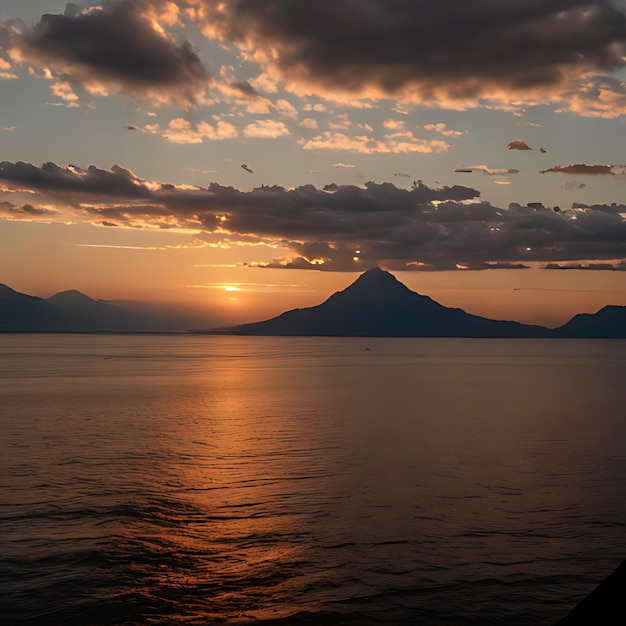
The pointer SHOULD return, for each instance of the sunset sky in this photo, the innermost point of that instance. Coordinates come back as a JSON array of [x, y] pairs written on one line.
[[249, 156]]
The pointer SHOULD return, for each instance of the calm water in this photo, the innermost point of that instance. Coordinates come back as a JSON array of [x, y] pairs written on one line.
[[202, 480]]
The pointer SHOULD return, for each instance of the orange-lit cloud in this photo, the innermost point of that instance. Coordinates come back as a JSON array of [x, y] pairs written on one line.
[[266, 129], [603, 97], [116, 46], [399, 142], [445, 51]]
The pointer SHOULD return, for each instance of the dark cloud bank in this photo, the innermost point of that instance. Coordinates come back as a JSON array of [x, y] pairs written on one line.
[[450, 49], [114, 44], [348, 227], [453, 48]]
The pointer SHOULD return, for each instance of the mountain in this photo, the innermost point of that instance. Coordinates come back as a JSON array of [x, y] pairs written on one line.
[[73, 311], [608, 323], [19, 311], [375, 305], [378, 305], [82, 313]]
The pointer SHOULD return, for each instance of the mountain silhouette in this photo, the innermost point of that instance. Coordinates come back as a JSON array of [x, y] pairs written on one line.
[[82, 313], [378, 305], [73, 300], [19, 311], [375, 305], [72, 311], [608, 323]]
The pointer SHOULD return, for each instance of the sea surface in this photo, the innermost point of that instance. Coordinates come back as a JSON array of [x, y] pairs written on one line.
[[173, 479]]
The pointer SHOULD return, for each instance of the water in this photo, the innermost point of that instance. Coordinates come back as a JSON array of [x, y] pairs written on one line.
[[203, 480]]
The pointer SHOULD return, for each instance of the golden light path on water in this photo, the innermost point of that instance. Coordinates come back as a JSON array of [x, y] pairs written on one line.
[[162, 479]]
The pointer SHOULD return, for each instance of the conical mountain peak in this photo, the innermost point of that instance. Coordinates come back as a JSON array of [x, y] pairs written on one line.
[[377, 274], [379, 305], [376, 281]]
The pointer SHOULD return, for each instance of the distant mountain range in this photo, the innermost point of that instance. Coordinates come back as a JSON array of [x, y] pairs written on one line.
[[375, 305], [73, 311]]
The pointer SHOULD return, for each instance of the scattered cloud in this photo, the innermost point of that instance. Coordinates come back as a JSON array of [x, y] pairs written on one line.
[[587, 170], [26, 212], [442, 130], [572, 185], [394, 124], [487, 171], [603, 97], [180, 130], [518, 144], [245, 88], [403, 142], [266, 129], [309, 122], [620, 267]]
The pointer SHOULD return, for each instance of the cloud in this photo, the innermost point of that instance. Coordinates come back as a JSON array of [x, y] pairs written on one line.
[[587, 170], [518, 144], [309, 122], [488, 171], [183, 131], [403, 142], [620, 267], [26, 212], [245, 88], [5, 65], [447, 50], [420, 228], [603, 97], [442, 130], [266, 129], [113, 47]]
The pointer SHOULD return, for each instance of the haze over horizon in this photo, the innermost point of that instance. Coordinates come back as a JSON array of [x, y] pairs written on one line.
[[475, 151]]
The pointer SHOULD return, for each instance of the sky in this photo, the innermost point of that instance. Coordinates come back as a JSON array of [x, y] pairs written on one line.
[[244, 157]]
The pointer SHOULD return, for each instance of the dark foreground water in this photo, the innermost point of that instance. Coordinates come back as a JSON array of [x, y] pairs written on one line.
[[203, 480]]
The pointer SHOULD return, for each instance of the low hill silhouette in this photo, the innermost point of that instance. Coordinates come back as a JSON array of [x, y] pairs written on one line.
[[608, 323]]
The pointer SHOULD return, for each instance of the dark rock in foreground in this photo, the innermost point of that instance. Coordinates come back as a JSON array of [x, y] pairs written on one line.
[[604, 606]]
